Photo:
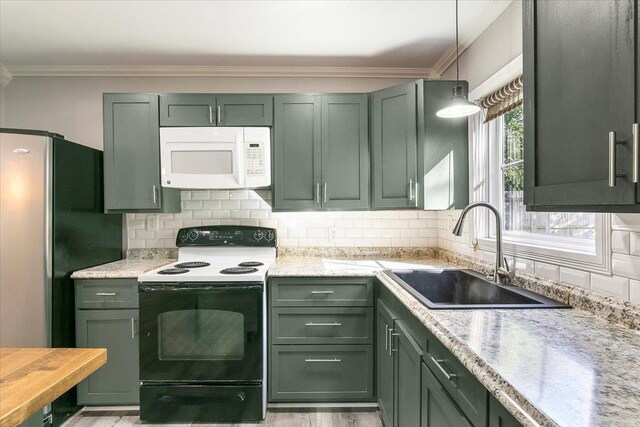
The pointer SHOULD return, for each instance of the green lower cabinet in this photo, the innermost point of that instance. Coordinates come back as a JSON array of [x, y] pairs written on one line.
[[384, 368], [321, 373], [117, 382], [499, 416], [408, 358], [438, 407]]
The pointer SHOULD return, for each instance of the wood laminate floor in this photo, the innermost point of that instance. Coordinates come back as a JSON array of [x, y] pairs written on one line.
[[275, 418]]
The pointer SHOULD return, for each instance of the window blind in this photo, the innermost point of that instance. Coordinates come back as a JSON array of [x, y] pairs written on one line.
[[503, 100]]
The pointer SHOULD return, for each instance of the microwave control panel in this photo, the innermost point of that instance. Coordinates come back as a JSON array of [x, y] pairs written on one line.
[[254, 159]]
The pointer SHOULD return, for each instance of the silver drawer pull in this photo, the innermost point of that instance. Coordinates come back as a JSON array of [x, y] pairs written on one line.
[[321, 292], [635, 153], [613, 174], [451, 377], [323, 324], [334, 360], [106, 294]]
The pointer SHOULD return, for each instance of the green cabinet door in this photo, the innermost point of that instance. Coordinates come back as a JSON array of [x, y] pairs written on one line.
[[345, 152], [297, 152], [132, 156], [244, 110], [394, 147], [438, 408], [384, 368], [408, 357], [499, 416], [188, 109], [443, 149], [573, 100], [115, 383]]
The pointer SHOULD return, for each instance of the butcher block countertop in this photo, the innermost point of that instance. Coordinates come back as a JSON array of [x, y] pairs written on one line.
[[31, 378]]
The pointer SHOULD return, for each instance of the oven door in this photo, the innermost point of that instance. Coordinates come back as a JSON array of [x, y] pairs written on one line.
[[204, 157], [201, 332]]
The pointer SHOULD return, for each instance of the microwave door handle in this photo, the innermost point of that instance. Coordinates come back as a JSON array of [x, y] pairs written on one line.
[[238, 159]]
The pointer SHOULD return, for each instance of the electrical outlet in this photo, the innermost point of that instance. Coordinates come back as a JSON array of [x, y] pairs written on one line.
[[332, 234], [152, 223]]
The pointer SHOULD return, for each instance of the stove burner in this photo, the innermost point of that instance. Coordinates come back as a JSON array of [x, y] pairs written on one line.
[[250, 264], [173, 271], [192, 264], [238, 270]]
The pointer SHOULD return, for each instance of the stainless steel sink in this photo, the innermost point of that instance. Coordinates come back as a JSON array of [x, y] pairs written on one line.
[[466, 289]]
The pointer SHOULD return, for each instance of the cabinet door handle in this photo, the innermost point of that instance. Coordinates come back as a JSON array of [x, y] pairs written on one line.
[[317, 192], [635, 153], [323, 324], [450, 377], [105, 294], [415, 193], [410, 189], [386, 337], [321, 292], [218, 115], [154, 188], [133, 328], [613, 144], [334, 360], [324, 193], [210, 114]]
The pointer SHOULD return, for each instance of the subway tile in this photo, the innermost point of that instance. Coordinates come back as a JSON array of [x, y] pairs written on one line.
[[185, 195], [372, 232], [202, 214], [219, 194], [211, 204], [625, 221], [547, 271], [419, 241], [402, 241], [136, 224], [250, 204], [419, 223], [575, 277], [317, 232], [380, 223], [620, 242], [230, 204], [192, 223], [239, 213], [523, 265], [192, 204], [408, 214], [239, 194], [614, 286], [634, 291], [221, 213], [354, 232], [391, 232], [200, 195], [634, 244], [136, 244], [626, 265], [171, 223], [143, 234], [257, 213], [210, 222]]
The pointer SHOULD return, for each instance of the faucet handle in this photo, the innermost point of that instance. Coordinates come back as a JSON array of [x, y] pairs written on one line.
[[505, 271]]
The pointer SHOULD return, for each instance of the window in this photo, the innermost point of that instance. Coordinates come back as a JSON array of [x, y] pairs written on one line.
[[577, 240]]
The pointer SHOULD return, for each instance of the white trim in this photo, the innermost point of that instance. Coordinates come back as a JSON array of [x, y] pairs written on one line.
[[485, 19], [509, 72], [216, 71]]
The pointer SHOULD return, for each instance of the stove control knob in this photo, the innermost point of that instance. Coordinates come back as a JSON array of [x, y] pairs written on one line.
[[270, 236], [193, 235], [258, 235], [183, 237]]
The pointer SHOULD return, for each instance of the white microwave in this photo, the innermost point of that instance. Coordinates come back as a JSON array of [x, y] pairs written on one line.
[[215, 157]]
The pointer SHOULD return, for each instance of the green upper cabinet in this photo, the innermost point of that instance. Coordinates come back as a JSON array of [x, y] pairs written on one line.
[[297, 152], [443, 147], [204, 109], [394, 148], [244, 110], [345, 152], [580, 84], [132, 156], [188, 109], [321, 152]]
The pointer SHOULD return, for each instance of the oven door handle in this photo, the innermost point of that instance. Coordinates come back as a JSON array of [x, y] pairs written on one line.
[[165, 288]]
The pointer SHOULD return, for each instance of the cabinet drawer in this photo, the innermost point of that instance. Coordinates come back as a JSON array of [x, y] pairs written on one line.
[[467, 391], [321, 292], [322, 325], [106, 293], [322, 373]]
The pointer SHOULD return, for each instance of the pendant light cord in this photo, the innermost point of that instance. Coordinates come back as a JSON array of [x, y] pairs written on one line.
[[457, 52]]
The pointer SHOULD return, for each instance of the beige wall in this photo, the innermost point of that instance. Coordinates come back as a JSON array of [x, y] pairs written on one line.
[[72, 106], [495, 48]]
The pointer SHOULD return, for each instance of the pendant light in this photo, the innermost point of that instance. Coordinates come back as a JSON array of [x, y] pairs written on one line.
[[459, 106]]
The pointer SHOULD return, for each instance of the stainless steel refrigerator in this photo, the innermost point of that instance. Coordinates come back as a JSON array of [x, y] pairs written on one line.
[[52, 222]]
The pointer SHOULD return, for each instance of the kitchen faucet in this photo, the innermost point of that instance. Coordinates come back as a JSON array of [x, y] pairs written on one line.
[[502, 271]]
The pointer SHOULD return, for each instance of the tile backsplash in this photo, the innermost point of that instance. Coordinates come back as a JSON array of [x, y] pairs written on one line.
[[248, 207]]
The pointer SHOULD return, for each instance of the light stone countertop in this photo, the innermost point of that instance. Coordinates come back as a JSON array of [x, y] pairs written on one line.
[[548, 367], [128, 268]]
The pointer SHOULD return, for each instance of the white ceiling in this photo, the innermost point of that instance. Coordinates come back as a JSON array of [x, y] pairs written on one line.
[[397, 34]]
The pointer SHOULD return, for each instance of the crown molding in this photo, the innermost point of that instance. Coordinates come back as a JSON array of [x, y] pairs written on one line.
[[490, 14], [215, 71]]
